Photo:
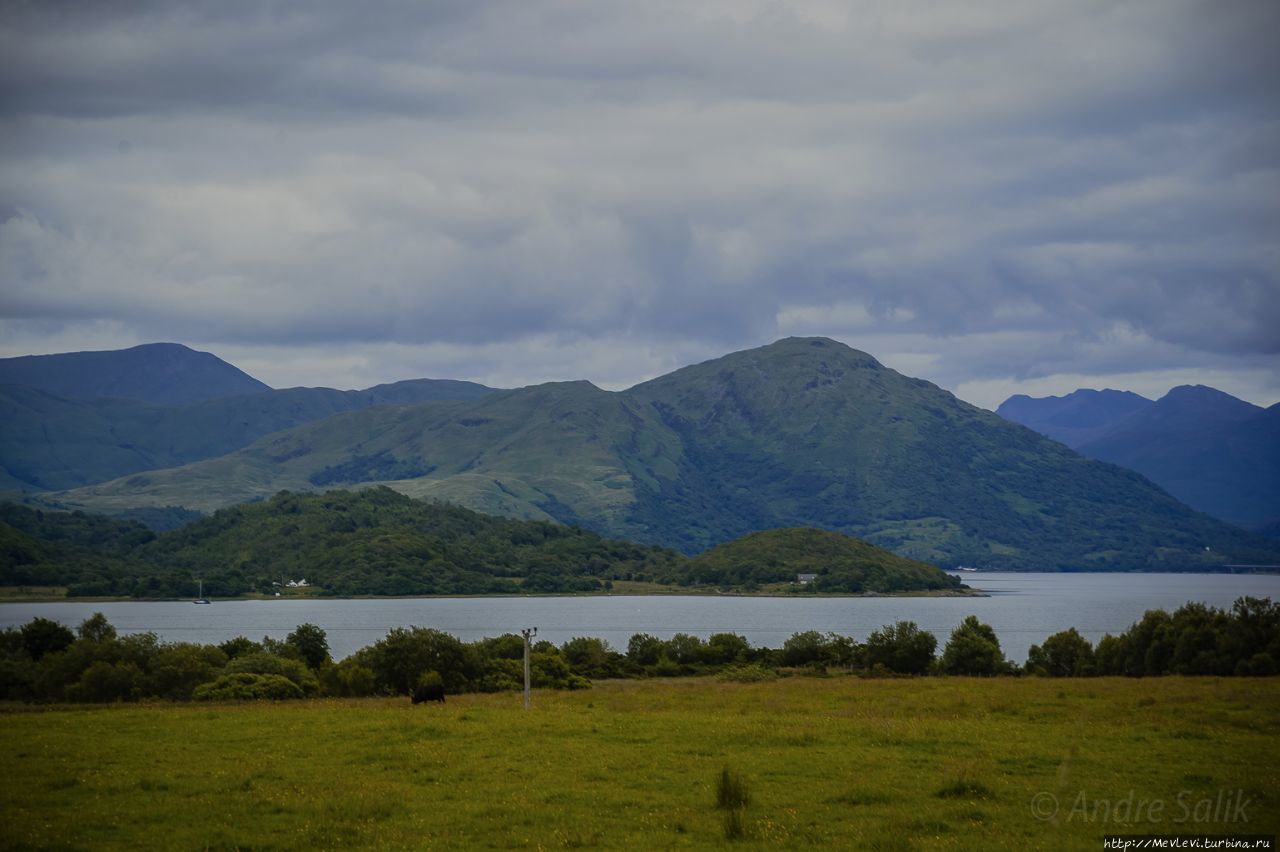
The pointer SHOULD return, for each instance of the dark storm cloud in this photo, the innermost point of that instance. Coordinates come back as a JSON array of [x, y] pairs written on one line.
[[987, 191]]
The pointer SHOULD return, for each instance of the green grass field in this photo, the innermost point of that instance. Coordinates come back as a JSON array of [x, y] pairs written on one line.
[[828, 763]]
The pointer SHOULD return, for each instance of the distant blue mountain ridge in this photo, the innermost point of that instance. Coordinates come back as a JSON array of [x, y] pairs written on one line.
[[83, 417], [1212, 451], [164, 373]]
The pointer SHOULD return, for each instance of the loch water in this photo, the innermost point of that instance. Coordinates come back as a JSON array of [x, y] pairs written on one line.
[[1023, 608]]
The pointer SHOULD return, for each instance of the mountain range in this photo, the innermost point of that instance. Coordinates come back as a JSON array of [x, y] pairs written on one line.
[[154, 372], [1212, 451], [805, 432], [81, 418]]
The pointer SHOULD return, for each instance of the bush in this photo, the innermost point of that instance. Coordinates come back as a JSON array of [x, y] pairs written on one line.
[[247, 686], [269, 664], [348, 679], [750, 673], [176, 670], [104, 682]]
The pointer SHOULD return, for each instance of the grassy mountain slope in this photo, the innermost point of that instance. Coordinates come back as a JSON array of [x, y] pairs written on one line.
[[155, 372], [548, 452], [804, 432], [842, 563], [51, 443]]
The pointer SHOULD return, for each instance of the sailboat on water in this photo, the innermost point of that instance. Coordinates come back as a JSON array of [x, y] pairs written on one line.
[[202, 599]]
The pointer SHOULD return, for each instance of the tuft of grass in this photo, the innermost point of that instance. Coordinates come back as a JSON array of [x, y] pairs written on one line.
[[861, 797], [732, 792], [965, 788], [735, 825]]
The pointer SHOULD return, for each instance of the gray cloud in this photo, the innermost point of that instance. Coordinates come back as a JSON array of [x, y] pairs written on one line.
[[990, 194]]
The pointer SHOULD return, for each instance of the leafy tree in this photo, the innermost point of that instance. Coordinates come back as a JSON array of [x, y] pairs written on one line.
[[591, 657], [347, 679], [644, 650], [686, 649], [400, 658], [1201, 644], [508, 646], [724, 648], [549, 670], [311, 643], [973, 649], [1110, 655], [901, 647], [96, 628], [1064, 654], [17, 679], [41, 636], [844, 651], [804, 649], [501, 674], [239, 647]]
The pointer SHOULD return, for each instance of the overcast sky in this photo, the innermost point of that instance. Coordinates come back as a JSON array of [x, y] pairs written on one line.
[[997, 196]]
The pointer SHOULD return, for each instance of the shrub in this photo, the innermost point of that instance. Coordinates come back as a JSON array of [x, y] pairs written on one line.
[[347, 679], [264, 664], [750, 673], [104, 682], [248, 686]]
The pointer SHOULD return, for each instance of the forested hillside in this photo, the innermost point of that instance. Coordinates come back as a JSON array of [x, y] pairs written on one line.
[[371, 542]]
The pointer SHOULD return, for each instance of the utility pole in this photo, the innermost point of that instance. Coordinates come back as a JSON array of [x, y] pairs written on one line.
[[532, 631]]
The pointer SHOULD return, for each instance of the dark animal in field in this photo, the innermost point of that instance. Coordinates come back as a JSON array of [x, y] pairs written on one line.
[[430, 692]]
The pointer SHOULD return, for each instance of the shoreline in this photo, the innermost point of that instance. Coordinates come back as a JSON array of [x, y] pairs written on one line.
[[939, 593]]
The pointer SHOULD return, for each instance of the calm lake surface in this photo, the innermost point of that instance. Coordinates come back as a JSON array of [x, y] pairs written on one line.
[[1023, 608]]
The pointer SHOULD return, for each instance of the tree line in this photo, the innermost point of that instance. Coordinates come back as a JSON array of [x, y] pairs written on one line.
[[44, 661]]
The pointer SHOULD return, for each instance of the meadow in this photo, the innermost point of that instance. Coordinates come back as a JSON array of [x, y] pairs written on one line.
[[836, 762]]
